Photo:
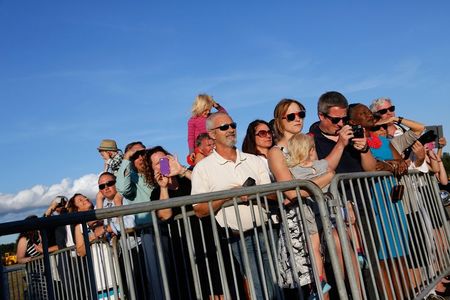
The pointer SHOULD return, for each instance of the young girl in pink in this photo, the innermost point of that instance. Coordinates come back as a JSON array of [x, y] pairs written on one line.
[[201, 108]]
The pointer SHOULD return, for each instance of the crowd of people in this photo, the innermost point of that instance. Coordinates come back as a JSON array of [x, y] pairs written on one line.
[[346, 138]]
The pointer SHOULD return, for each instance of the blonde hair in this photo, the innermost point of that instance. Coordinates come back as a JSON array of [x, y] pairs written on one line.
[[299, 147], [202, 102]]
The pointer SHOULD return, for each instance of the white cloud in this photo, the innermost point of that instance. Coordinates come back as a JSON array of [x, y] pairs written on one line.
[[39, 196]]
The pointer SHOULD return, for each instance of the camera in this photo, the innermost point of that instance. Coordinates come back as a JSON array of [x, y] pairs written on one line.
[[358, 131], [61, 201]]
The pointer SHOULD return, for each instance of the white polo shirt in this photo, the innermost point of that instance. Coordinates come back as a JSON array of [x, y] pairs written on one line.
[[215, 173]]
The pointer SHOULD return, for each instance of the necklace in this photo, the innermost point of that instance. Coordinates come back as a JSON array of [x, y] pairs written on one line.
[[374, 141]]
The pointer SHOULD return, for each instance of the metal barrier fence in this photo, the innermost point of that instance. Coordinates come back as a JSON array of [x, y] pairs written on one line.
[[399, 232], [269, 255]]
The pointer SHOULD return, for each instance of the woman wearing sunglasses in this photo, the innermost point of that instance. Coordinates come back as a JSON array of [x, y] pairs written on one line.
[[258, 140], [289, 115]]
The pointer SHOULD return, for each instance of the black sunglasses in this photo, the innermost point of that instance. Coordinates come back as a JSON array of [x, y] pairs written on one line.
[[385, 110], [224, 127], [336, 120], [106, 184], [137, 154], [264, 133], [378, 127], [291, 117]]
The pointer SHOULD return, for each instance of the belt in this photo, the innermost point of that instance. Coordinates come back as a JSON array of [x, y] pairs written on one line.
[[249, 232]]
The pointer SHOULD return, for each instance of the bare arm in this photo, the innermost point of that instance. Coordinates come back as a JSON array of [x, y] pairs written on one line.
[[202, 209], [21, 251], [334, 157]]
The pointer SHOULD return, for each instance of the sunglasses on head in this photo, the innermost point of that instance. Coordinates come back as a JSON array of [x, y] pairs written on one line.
[[224, 127], [336, 120], [264, 133], [378, 127], [106, 184], [385, 110], [291, 117]]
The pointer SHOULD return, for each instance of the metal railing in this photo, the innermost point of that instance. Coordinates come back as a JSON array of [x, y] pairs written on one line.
[[197, 258]]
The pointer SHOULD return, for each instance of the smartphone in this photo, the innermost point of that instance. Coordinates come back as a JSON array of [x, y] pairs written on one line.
[[164, 166], [249, 182]]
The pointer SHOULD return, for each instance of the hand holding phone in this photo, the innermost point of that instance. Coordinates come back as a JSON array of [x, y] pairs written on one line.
[[164, 166]]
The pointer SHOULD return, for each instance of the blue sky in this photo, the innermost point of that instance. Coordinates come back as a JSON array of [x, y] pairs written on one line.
[[72, 74]]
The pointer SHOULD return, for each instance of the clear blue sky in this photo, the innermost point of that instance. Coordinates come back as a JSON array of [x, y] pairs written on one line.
[[72, 74]]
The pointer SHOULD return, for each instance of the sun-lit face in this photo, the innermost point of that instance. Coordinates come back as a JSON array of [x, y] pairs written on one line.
[[223, 138], [155, 157], [82, 203], [263, 137], [334, 120], [108, 184], [386, 110], [362, 115], [139, 161], [290, 125], [206, 146]]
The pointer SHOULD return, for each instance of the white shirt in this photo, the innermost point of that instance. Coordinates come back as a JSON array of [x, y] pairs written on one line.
[[215, 173]]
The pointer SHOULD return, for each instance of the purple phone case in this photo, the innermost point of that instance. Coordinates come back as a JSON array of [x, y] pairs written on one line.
[[164, 166]]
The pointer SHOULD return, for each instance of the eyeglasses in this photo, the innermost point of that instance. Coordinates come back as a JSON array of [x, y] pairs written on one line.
[[264, 133], [224, 127], [291, 117], [106, 184], [336, 120], [378, 127], [385, 110]]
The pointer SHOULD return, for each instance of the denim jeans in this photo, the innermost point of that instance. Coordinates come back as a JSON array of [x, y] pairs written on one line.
[[258, 275]]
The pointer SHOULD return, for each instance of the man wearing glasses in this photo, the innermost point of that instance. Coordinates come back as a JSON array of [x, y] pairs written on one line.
[[334, 139], [228, 168]]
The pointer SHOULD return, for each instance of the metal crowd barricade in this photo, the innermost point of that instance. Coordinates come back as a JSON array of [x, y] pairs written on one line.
[[198, 258], [400, 234]]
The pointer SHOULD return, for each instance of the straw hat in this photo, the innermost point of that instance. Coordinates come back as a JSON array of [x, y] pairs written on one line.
[[108, 145]]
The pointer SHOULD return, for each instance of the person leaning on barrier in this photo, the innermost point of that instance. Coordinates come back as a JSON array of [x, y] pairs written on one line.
[[385, 110], [228, 168], [132, 185], [335, 141], [107, 188], [289, 117]]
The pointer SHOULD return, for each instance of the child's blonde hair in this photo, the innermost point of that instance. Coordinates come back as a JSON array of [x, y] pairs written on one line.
[[202, 102], [299, 147]]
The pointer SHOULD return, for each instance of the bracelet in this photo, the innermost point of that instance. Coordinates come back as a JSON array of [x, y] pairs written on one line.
[[400, 119], [365, 149]]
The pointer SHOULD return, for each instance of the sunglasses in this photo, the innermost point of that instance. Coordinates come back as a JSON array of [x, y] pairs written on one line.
[[106, 184], [378, 127], [264, 133], [137, 154], [224, 127], [336, 120], [291, 117], [385, 110]]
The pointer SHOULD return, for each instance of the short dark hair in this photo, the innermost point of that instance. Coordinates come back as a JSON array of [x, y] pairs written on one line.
[[329, 100], [107, 173], [200, 138], [133, 144]]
